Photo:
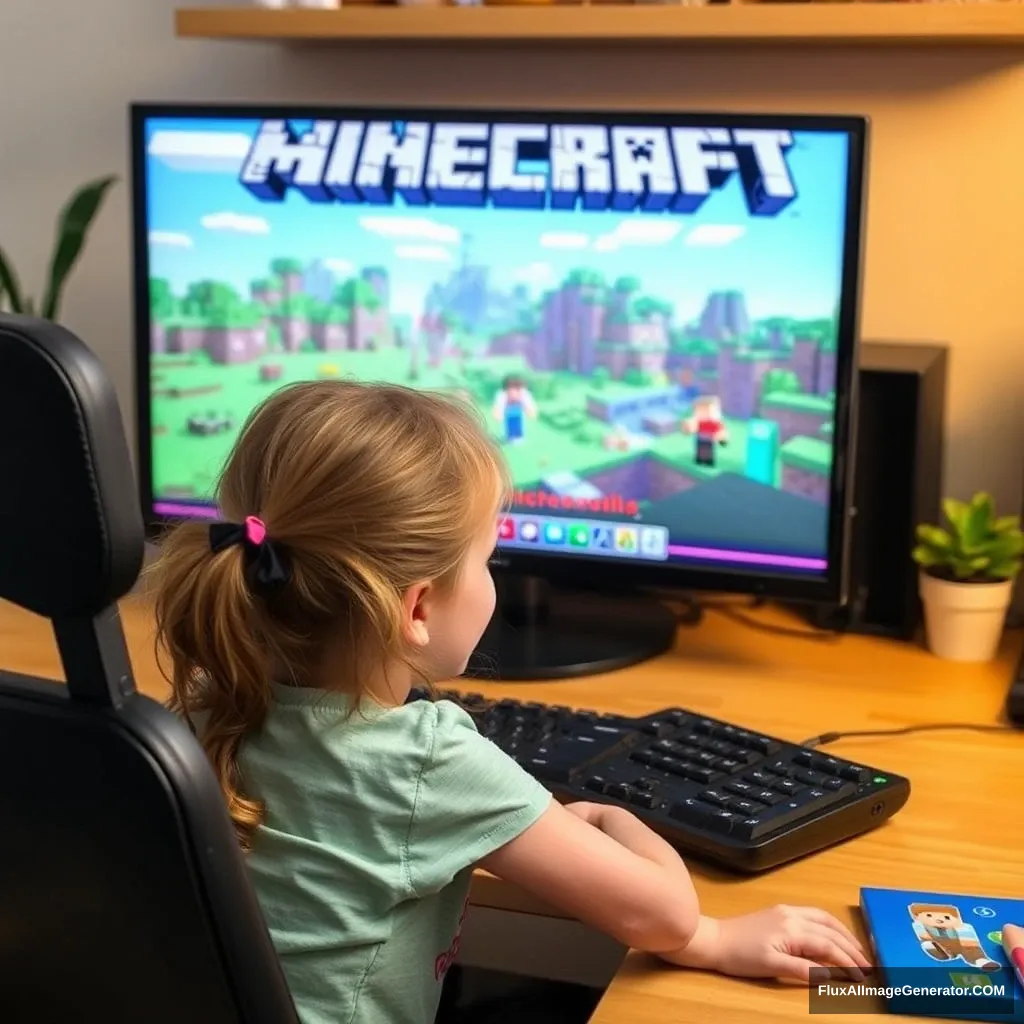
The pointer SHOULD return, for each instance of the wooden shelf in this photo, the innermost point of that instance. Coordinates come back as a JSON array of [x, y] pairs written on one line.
[[873, 24]]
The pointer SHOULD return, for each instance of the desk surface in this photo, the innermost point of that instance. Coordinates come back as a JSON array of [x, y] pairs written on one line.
[[960, 818]]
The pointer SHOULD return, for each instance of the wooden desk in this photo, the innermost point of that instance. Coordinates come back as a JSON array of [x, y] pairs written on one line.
[[962, 818]]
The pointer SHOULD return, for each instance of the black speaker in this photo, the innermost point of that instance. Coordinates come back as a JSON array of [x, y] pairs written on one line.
[[900, 411]]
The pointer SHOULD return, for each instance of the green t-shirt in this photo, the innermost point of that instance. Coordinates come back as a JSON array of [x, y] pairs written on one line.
[[363, 864]]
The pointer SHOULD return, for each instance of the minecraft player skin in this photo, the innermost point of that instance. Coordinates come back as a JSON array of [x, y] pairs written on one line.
[[512, 405], [707, 424], [944, 936]]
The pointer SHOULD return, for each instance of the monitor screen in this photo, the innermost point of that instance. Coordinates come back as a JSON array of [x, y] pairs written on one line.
[[655, 314]]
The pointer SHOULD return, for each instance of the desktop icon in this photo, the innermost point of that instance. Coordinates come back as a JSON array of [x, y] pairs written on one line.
[[506, 528], [528, 530], [554, 533], [625, 539], [652, 542], [601, 538], [579, 536]]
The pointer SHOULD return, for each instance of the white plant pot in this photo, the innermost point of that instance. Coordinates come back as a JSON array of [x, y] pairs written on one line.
[[964, 621]]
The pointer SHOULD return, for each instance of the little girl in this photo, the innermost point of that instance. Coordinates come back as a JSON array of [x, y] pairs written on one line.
[[354, 564]]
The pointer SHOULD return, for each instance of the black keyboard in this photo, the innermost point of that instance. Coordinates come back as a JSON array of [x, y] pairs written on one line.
[[717, 791]]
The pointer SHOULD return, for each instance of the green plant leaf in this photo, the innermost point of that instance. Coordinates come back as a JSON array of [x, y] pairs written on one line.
[[976, 524], [955, 511], [72, 228], [925, 556], [9, 285], [1007, 570], [1006, 524], [935, 537]]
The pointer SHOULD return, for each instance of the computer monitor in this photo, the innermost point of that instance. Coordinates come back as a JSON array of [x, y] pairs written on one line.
[[656, 313]]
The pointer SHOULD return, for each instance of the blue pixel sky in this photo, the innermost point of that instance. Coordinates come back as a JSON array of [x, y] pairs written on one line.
[[203, 224]]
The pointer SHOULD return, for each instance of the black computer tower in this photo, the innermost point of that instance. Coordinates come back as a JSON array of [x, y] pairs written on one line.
[[898, 468]]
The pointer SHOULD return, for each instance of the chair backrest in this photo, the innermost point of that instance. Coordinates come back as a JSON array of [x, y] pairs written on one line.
[[123, 895]]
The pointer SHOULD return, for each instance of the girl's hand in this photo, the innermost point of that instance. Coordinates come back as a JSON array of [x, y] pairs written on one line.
[[781, 942]]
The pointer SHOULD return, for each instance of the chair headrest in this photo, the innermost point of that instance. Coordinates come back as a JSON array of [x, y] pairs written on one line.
[[72, 539]]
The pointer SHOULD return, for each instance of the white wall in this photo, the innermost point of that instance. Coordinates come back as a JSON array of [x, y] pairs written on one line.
[[946, 215]]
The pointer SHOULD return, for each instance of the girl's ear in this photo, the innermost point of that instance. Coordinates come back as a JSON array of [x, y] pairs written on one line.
[[415, 628]]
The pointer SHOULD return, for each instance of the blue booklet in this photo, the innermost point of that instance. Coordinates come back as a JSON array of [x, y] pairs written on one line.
[[940, 954]]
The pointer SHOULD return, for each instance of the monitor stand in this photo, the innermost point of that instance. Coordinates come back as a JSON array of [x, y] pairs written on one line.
[[541, 632]]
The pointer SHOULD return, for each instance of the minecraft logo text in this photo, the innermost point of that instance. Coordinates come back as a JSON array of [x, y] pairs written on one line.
[[519, 166]]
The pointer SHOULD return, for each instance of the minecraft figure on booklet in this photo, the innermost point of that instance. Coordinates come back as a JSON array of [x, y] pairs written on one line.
[[512, 405], [706, 422]]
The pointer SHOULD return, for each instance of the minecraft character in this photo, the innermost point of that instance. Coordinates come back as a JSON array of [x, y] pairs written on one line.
[[689, 389], [512, 405], [707, 424], [944, 936]]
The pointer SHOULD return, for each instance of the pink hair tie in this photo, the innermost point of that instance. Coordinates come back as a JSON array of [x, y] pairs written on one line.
[[267, 562], [255, 531]]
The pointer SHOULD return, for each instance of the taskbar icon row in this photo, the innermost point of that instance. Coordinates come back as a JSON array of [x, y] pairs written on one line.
[[583, 536]]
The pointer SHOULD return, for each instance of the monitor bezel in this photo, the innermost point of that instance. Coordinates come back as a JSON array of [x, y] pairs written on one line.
[[573, 570]]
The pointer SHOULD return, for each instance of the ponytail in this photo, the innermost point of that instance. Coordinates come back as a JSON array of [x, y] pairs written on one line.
[[207, 623]]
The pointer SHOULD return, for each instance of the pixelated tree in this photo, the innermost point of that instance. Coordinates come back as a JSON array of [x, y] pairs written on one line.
[[162, 303], [356, 292], [284, 265], [780, 381]]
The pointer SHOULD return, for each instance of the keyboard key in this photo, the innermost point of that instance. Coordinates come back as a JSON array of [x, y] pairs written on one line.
[[801, 806], [747, 808], [787, 786], [829, 765], [747, 757], [721, 747], [763, 745], [740, 788], [855, 773], [812, 778], [642, 756], [834, 784], [767, 796], [704, 816], [704, 757], [619, 790], [760, 777], [691, 811], [716, 797], [698, 773], [544, 770], [727, 764], [643, 798], [704, 726], [803, 757]]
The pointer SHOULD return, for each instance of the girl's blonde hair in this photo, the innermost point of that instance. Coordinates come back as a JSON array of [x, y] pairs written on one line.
[[367, 489]]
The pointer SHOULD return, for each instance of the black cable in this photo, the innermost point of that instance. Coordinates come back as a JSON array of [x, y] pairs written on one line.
[[831, 737], [690, 612]]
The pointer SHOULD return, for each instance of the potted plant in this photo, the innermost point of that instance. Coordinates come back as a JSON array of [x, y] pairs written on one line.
[[73, 225], [967, 570]]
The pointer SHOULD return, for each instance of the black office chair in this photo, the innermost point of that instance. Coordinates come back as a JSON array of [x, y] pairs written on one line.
[[123, 895]]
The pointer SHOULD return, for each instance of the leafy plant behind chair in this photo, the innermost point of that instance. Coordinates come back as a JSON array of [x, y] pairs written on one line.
[[978, 546], [73, 224]]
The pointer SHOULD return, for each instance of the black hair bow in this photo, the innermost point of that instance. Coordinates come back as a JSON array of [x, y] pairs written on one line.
[[266, 564]]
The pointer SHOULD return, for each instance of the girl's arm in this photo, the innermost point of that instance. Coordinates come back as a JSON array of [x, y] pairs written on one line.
[[604, 867]]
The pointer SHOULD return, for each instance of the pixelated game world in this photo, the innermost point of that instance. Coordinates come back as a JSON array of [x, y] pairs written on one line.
[[646, 315]]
